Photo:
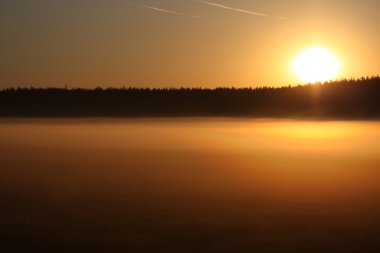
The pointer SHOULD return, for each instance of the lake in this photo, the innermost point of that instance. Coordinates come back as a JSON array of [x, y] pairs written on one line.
[[189, 185]]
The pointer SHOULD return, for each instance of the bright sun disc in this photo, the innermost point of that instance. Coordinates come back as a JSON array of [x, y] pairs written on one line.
[[316, 65]]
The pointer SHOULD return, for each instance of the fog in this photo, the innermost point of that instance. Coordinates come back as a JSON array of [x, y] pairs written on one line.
[[189, 185]]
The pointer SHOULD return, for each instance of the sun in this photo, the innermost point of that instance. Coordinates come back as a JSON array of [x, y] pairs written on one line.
[[316, 64]]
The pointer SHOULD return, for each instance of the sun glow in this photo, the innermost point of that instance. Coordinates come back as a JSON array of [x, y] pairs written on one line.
[[316, 64]]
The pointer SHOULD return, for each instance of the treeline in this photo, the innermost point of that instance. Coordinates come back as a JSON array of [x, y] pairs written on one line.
[[338, 99]]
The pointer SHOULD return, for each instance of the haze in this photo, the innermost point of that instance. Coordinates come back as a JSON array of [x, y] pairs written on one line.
[[189, 185], [88, 43]]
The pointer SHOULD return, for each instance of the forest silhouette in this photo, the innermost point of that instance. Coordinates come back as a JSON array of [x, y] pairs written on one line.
[[353, 99]]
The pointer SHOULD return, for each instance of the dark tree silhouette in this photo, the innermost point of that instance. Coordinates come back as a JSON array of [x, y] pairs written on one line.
[[336, 99]]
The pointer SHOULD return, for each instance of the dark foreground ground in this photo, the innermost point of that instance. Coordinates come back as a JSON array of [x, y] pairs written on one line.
[[189, 186], [345, 99]]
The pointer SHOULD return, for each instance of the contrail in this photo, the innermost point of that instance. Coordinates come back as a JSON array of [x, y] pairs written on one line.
[[163, 10], [231, 8]]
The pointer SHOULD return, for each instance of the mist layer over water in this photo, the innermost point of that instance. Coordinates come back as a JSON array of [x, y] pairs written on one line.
[[189, 185]]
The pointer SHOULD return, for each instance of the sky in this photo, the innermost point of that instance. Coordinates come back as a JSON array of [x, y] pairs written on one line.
[[180, 43]]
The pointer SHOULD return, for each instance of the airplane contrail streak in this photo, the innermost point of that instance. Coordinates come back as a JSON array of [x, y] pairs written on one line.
[[162, 10], [231, 8]]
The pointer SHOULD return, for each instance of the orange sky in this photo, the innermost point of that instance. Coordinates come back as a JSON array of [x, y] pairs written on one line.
[[175, 43]]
